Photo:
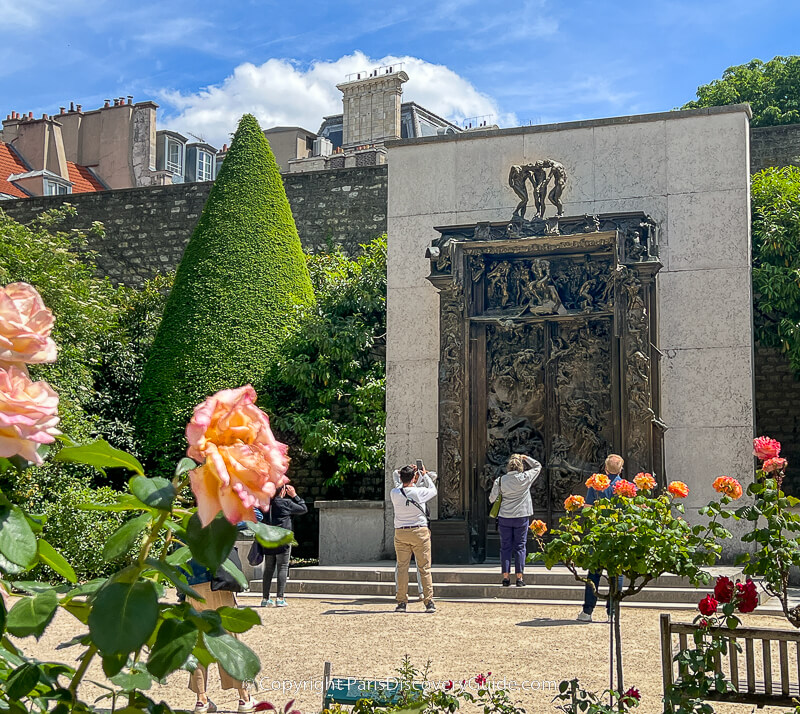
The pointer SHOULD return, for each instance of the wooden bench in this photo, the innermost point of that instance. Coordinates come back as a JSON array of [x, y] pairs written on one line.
[[349, 690], [751, 672]]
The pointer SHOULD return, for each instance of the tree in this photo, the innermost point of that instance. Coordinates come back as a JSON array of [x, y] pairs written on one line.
[[771, 88], [776, 260], [328, 387], [240, 287]]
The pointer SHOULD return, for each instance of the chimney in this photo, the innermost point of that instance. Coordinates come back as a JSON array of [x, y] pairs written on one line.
[[371, 106], [78, 108], [30, 115], [130, 99], [62, 110], [106, 104], [72, 106]]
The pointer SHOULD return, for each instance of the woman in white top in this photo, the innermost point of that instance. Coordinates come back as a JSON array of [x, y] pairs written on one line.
[[516, 509]]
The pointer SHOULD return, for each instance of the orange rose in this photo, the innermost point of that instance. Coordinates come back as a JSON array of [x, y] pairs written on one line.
[[624, 488], [599, 482], [644, 481], [539, 528], [678, 489], [243, 464], [25, 325], [729, 486], [574, 503], [28, 414]]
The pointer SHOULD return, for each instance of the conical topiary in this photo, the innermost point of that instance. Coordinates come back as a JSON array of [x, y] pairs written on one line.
[[239, 288]]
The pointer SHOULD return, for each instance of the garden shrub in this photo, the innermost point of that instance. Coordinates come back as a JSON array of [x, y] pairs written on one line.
[[776, 260], [120, 366], [85, 307], [328, 386], [56, 491], [241, 285]]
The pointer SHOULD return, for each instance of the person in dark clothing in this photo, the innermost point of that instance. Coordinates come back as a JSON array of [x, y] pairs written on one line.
[[285, 505], [613, 469]]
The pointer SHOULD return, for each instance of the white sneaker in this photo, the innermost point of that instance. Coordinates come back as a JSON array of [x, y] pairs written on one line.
[[584, 617]]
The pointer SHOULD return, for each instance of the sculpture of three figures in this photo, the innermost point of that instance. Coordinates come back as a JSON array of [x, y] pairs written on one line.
[[539, 174]]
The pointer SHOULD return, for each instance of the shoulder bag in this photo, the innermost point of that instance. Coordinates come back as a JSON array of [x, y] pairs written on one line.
[[223, 580], [495, 512]]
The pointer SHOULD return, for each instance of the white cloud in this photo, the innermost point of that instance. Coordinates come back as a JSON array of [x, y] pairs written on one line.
[[283, 93]]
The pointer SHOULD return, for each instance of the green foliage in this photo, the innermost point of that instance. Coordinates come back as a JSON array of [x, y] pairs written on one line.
[[120, 361], [328, 385], [776, 260], [129, 621], [56, 491], [771, 88], [574, 699], [238, 292], [58, 265]]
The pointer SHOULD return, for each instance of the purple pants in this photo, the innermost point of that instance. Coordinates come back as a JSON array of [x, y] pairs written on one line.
[[513, 539]]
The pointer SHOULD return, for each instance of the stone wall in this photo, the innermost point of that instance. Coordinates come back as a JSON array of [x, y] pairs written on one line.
[[774, 146], [148, 228], [777, 413]]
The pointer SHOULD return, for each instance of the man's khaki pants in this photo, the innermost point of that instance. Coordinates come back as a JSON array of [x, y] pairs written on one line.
[[418, 542], [198, 680]]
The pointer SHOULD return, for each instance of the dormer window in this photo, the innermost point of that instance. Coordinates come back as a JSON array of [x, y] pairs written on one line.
[[55, 188], [205, 164], [174, 154]]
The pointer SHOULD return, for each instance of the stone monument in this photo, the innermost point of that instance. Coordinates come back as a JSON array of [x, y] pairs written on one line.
[[548, 348]]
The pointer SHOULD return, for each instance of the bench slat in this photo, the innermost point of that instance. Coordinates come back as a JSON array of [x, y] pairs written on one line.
[[751, 665], [767, 653], [758, 633], [783, 648], [734, 659]]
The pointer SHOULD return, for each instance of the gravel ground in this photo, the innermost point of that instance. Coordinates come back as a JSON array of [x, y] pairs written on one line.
[[532, 644]]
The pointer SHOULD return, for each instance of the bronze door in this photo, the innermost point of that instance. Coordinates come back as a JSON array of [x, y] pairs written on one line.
[[542, 385]]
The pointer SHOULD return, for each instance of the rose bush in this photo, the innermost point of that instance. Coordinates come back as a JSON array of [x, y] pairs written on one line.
[[140, 636], [699, 676], [633, 535]]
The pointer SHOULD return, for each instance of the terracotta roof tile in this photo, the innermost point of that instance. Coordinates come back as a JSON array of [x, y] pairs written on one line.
[[83, 180], [10, 164]]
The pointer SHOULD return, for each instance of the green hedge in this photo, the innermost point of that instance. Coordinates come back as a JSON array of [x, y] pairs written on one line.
[[239, 289]]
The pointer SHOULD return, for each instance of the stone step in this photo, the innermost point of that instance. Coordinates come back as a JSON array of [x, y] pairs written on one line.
[[558, 576], [476, 591]]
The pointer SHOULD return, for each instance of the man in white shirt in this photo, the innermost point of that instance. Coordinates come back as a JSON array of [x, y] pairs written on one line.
[[411, 532]]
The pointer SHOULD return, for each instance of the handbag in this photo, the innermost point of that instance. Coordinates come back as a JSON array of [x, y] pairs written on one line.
[[223, 580], [495, 512], [255, 556]]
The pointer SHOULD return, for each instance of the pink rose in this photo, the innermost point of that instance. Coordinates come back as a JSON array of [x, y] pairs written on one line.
[[775, 465], [243, 464], [28, 414], [625, 488], [25, 325], [765, 448]]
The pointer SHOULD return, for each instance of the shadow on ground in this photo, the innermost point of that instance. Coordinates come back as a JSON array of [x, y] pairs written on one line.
[[547, 622]]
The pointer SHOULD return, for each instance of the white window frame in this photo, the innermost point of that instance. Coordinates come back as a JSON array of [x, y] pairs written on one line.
[[205, 169], [175, 168], [56, 188]]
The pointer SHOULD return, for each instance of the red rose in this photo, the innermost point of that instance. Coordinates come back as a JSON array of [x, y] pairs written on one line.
[[480, 680], [704, 623], [633, 693], [449, 685], [765, 448], [724, 589], [747, 596], [707, 606]]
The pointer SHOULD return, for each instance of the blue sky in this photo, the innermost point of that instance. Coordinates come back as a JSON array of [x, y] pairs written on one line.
[[530, 61]]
